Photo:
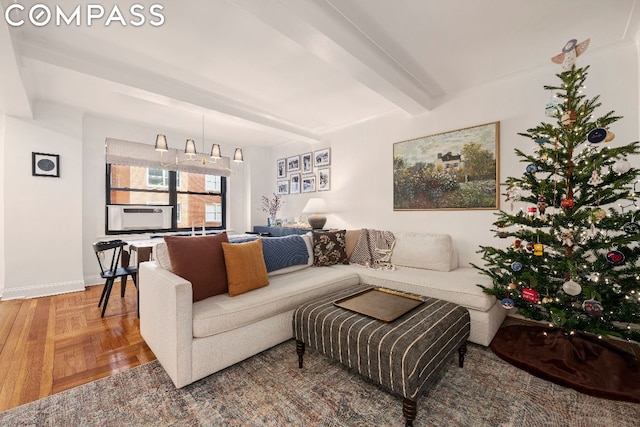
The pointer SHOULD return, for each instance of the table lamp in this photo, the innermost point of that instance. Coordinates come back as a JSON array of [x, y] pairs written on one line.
[[317, 208]]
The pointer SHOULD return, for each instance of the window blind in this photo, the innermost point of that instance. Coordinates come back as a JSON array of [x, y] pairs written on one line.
[[129, 153]]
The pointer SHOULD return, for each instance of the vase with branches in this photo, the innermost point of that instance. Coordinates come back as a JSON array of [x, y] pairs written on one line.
[[272, 206]]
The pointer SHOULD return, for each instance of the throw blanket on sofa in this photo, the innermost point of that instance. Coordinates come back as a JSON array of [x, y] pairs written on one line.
[[374, 249]]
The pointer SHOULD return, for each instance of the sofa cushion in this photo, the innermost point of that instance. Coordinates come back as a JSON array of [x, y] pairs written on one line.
[[285, 292], [351, 240], [245, 266], [161, 255], [329, 248], [458, 286], [307, 243], [422, 250], [199, 260], [283, 252]]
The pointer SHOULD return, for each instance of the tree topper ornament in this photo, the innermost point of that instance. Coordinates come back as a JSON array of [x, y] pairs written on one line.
[[571, 50]]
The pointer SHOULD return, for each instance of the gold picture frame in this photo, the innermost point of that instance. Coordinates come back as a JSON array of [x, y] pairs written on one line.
[[448, 171]]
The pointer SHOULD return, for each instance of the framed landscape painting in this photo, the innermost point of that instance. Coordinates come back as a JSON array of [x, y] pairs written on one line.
[[448, 171]]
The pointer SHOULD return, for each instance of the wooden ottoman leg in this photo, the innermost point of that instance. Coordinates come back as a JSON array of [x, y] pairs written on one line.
[[409, 410], [300, 351], [461, 352]]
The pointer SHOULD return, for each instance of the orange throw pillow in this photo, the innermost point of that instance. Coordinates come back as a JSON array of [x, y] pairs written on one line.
[[246, 269], [200, 260]]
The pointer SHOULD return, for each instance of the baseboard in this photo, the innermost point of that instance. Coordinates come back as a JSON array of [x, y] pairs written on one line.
[[42, 290], [93, 280]]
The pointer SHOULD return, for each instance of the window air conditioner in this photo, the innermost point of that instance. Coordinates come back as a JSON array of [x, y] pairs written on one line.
[[138, 217]]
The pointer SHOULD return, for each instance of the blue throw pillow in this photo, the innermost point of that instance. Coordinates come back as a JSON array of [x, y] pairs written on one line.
[[243, 239], [282, 252]]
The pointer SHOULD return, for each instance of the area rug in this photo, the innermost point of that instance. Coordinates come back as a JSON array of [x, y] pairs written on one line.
[[269, 390], [582, 362]]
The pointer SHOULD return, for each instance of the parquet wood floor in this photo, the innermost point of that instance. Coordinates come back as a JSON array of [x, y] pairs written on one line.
[[51, 344]]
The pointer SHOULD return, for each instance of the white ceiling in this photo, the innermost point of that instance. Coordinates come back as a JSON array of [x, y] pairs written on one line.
[[266, 72]]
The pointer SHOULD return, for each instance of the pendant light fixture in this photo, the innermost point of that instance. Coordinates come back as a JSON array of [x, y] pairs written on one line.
[[162, 146]]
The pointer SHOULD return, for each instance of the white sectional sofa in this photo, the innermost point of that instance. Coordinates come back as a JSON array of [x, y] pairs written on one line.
[[195, 339], [427, 264]]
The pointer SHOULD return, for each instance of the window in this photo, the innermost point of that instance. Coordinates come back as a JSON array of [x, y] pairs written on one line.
[[160, 178], [198, 199], [213, 212], [157, 178], [212, 183]]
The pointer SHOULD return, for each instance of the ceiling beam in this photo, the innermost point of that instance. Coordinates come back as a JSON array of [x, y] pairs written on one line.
[[326, 32], [143, 84], [14, 99]]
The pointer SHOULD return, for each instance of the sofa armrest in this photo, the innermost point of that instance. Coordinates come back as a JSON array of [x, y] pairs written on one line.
[[166, 319]]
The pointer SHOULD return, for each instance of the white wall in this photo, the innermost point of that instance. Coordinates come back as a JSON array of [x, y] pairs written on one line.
[[361, 165], [42, 215], [3, 167], [257, 167], [293, 203]]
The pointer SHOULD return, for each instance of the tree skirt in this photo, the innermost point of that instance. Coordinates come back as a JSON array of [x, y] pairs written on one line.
[[582, 362]]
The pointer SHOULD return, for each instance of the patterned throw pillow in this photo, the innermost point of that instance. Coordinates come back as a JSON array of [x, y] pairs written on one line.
[[329, 248], [283, 252]]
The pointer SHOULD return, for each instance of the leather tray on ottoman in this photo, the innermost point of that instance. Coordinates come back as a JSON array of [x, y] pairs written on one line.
[[402, 355]]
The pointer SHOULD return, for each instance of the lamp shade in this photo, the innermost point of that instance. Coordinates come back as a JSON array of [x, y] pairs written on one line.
[[215, 151], [190, 147], [315, 205], [237, 155], [161, 143]]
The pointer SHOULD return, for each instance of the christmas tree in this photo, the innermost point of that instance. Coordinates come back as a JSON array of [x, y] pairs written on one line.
[[571, 258]]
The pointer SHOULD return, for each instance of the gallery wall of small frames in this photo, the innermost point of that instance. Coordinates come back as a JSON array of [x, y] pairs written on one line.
[[304, 173]]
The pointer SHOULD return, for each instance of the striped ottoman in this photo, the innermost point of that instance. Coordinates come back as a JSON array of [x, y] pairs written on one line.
[[401, 355]]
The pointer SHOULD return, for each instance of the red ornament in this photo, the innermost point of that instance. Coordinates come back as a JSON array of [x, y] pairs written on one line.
[[567, 203], [530, 295], [615, 257]]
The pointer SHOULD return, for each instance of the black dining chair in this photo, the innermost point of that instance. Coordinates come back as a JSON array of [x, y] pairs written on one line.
[[111, 271]]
